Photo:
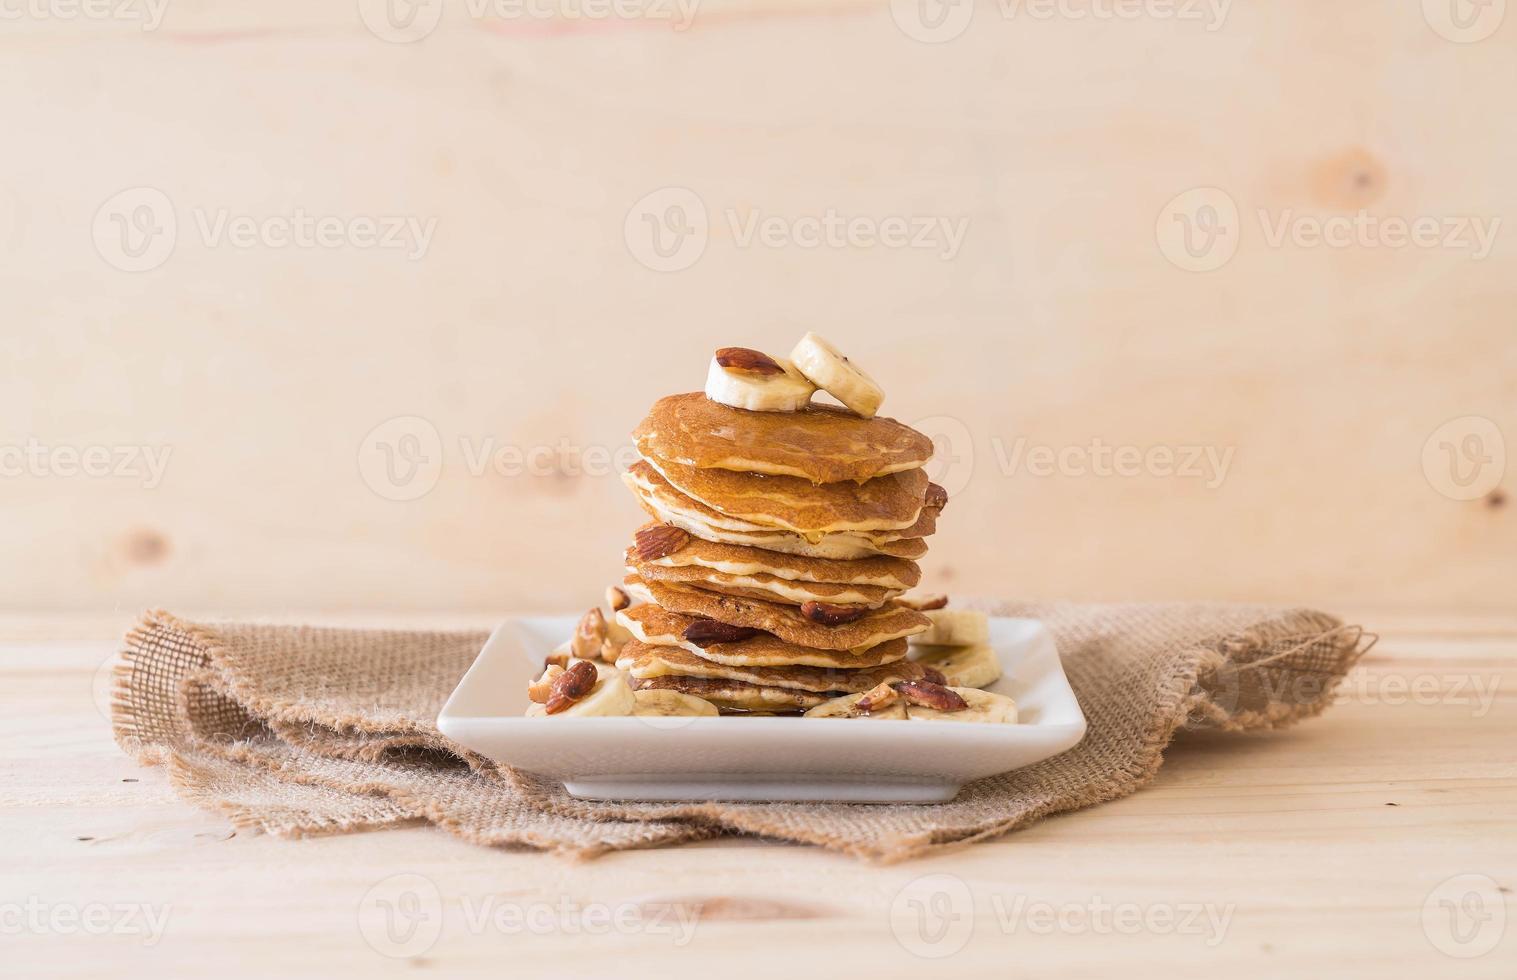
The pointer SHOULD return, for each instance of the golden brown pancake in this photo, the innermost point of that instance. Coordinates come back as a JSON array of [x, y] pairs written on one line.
[[729, 695], [878, 570], [644, 660], [786, 622], [762, 585], [669, 506], [888, 502], [657, 626], [821, 444]]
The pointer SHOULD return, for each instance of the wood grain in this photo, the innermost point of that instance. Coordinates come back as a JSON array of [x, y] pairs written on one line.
[[1320, 372], [1318, 847]]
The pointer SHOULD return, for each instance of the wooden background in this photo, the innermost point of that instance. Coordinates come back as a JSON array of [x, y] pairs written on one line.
[[1321, 373]]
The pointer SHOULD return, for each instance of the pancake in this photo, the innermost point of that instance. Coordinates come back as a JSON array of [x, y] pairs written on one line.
[[668, 505], [642, 660], [730, 695], [786, 622], [761, 585], [820, 444], [655, 625], [885, 503], [882, 571]]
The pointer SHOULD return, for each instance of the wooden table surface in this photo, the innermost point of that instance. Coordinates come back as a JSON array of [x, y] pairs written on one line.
[[1379, 840]]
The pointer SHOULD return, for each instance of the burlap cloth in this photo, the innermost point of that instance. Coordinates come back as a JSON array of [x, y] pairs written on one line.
[[298, 730]]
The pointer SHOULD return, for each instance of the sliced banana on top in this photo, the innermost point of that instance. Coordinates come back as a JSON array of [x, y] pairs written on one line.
[[843, 707], [609, 697], [826, 367], [668, 704], [983, 707], [967, 666], [754, 381], [954, 628]]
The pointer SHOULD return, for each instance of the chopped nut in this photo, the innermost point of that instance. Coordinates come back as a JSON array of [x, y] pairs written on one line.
[[616, 598], [922, 603], [937, 497], [747, 361], [570, 686], [876, 698], [557, 658], [934, 676], [539, 689], [659, 540], [831, 615], [930, 695], [589, 635], [704, 632]]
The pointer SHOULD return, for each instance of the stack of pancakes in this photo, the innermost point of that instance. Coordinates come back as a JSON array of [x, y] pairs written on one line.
[[781, 545]]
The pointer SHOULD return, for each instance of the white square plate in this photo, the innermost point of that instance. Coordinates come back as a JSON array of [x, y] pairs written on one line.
[[736, 758]]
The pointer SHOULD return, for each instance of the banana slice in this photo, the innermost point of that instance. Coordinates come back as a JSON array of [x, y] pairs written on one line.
[[954, 628], [754, 381], [824, 366], [843, 708], [969, 666], [610, 696], [665, 704], [983, 707]]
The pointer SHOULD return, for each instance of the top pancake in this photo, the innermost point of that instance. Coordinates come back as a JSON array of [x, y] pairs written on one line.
[[820, 443]]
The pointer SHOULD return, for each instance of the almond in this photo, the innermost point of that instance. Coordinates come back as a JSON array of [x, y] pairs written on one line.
[[589, 635], [876, 698], [616, 598], [746, 361], [922, 603], [656, 541], [570, 686], [937, 497], [704, 632], [831, 615], [930, 695], [539, 689], [935, 676]]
